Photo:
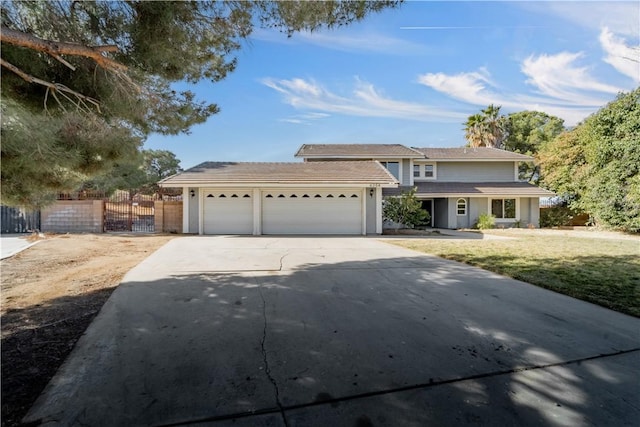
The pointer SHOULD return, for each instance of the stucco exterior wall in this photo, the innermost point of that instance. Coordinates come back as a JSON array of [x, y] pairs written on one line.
[[194, 210], [371, 214]]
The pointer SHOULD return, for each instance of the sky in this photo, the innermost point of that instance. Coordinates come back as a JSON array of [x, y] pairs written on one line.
[[412, 76]]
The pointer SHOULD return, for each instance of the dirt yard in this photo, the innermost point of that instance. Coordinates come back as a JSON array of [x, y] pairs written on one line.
[[50, 294]]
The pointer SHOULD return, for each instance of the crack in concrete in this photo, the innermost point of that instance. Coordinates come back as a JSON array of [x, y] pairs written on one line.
[[281, 259], [281, 409], [457, 380], [267, 369]]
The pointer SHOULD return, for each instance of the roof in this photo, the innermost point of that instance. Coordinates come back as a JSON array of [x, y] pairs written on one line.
[[338, 172], [468, 153], [472, 189], [357, 150]]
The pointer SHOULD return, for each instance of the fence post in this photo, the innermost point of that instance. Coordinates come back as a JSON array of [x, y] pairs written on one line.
[[158, 212]]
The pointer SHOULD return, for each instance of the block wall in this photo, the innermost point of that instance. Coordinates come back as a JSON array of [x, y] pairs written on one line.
[[73, 216]]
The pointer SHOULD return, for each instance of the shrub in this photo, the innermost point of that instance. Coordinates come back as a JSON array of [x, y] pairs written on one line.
[[405, 210], [486, 221], [558, 216]]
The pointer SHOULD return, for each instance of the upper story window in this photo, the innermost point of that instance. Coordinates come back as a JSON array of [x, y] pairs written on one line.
[[428, 171], [424, 171], [393, 167]]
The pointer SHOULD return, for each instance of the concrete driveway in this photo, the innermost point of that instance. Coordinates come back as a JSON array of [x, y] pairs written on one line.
[[300, 331], [11, 244]]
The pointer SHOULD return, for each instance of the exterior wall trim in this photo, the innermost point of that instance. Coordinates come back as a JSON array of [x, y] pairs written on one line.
[[185, 209]]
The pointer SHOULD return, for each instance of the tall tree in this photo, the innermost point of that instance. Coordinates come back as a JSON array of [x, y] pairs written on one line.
[[138, 173], [597, 165], [158, 165], [486, 129], [84, 83], [495, 125], [475, 131], [526, 132]]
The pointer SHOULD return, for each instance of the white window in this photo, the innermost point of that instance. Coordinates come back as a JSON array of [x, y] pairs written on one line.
[[461, 207], [503, 208], [393, 167], [424, 171], [428, 171]]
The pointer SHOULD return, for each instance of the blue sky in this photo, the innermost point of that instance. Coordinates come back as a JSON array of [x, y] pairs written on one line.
[[413, 75]]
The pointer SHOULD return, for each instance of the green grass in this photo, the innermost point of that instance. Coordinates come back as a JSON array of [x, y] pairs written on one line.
[[602, 271]]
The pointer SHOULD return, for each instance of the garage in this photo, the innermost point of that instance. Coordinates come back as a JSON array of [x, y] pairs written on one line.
[[322, 197], [312, 211], [228, 211]]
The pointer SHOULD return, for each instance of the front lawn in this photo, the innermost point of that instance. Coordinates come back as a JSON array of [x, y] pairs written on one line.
[[601, 271]]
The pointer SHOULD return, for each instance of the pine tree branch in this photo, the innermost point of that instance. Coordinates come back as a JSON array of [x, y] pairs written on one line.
[[54, 87], [55, 49]]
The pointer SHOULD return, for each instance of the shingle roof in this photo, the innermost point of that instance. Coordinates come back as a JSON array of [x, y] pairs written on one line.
[[472, 189], [467, 153], [357, 150], [363, 172]]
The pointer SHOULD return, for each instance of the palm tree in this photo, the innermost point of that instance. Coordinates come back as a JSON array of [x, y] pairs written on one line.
[[495, 126], [486, 129], [475, 130]]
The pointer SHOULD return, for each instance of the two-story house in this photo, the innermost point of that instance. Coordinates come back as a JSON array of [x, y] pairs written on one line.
[[339, 189]]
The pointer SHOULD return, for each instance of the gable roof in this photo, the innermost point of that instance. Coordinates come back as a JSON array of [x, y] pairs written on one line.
[[468, 153], [357, 151], [338, 172], [472, 189]]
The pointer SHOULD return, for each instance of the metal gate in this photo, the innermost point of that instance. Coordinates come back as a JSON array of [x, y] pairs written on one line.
[[18, 220], [122, 213]]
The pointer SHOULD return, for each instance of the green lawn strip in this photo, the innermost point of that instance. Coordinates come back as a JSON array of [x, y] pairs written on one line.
[[604, 272]]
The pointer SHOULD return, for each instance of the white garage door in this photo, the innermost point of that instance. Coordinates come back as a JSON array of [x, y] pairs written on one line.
[[308, 211], [228, 211]]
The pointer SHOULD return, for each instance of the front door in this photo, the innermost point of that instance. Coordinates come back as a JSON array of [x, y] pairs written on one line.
[[427, 205]]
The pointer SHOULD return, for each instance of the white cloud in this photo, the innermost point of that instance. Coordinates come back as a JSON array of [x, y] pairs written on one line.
[[560, 84], [623, 16], [369, 42], [305, 119], [468, 87], [476, 88], [293, 120], [625, 59], [558, 76], [364, 101]]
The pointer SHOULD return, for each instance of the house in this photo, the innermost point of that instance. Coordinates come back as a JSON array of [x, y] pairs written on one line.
[[339, 189]]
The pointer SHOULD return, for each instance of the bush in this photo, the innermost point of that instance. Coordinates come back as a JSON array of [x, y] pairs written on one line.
[[558, 216], [405, 210], [486, 221]]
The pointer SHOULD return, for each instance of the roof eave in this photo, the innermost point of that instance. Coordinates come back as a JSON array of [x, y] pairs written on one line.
[[254, 183], [360, 156], [502, 159], [492, 194]]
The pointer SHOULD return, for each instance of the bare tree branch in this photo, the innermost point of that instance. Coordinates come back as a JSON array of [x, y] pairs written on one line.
[[55, 49], [54, 88], [63, 61]]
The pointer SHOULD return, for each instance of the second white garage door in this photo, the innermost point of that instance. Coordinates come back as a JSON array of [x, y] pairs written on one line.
[[308, 211], [228, 211]]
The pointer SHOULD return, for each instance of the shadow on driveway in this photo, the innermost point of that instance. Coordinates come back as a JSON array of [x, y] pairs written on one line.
[[394, 340]]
